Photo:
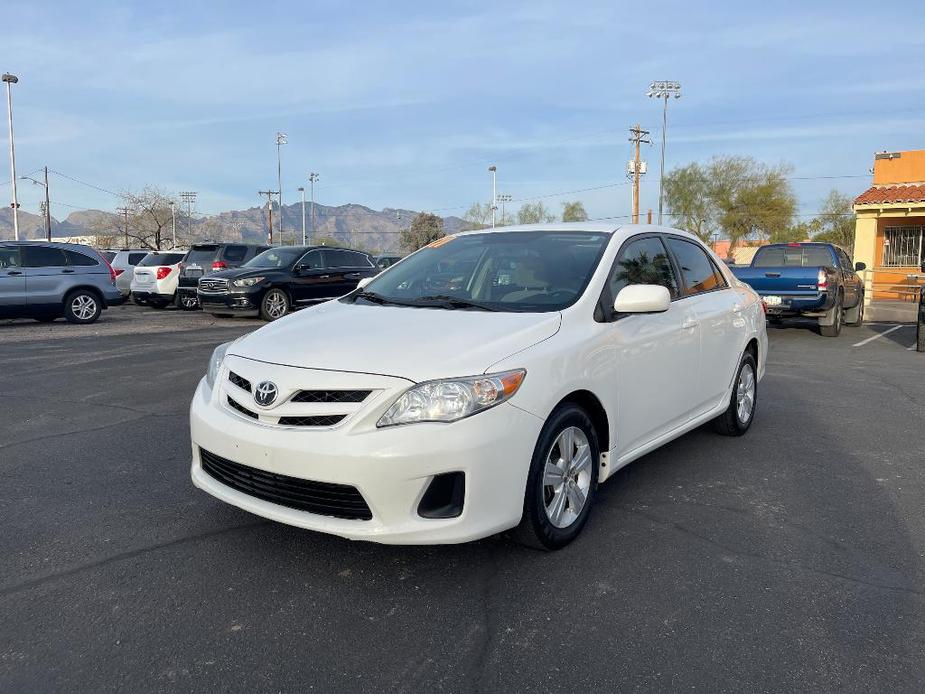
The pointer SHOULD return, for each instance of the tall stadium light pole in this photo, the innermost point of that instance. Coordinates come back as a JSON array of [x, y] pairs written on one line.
[[312, 177], [503, 198], [302, 191], [10, 81], [494, 193], [281, 139], [189, 197], [663, 90], [173, 222]]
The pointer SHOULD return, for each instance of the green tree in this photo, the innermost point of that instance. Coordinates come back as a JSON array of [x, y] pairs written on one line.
[[835, 221], [574, 212], [739, 196], [425, 228], [801, 231], [534, 213]]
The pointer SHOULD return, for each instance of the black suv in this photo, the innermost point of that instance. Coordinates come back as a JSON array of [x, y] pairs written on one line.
[[283, 278], [205, 258]]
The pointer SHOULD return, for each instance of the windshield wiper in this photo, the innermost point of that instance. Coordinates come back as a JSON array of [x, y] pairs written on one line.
[[379, 299], [455, 302]]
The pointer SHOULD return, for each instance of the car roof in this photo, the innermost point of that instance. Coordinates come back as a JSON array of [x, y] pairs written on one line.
[[603, 227], [53, 244]]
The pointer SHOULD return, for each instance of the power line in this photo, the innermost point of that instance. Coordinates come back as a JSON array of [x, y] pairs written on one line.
[[84, 183]]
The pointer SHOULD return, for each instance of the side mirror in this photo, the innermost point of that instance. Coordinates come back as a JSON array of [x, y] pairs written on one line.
[[642, 298], [363, 282], [860, 266]]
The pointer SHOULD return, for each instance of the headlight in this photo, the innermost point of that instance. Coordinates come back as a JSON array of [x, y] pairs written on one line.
[[248, 281], [215, 363], [452, 399]]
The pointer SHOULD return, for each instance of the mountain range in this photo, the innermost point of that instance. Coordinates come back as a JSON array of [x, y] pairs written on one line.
[[352, 224]]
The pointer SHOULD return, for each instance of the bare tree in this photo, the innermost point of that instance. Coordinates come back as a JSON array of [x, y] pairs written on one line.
[[148, 220]]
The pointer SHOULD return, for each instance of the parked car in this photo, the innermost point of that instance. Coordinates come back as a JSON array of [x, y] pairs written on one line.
[[124, 262], [156, 278], [283, 278], [553, 357], [815, 280], [46, 280], [384, 261], [205, 258]]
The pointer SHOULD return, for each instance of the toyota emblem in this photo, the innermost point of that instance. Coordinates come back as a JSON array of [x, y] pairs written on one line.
[[266, 393]]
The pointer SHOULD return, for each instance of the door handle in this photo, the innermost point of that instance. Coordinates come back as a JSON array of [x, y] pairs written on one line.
[[689, 324], [67, 272], [14, 272], [323, 277]]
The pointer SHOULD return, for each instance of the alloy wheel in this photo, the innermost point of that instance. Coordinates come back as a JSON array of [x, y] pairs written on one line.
[[275, 304], [745, 393], [567, 477], [83, 306]]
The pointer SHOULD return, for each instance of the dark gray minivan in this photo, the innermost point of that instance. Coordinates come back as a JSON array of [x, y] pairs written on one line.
[[46, 280]]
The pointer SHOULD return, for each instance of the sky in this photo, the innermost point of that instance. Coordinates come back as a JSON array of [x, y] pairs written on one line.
[[406, 104]]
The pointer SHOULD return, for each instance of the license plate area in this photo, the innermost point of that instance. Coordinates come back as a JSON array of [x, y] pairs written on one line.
[[772, 300]]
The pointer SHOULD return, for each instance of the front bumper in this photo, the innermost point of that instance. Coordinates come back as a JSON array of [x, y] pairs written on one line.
[[239, 303], [390, 467]]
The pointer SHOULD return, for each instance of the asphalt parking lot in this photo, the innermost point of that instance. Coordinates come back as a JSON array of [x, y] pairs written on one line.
[[792, 559]]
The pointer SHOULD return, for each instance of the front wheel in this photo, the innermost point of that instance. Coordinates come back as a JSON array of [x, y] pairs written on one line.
[[82, 307], [738, 417], [275, 305], [562, 480], [187, 301]]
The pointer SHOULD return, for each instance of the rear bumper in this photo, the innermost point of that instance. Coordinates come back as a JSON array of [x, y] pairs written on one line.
[[148, 296], [113, 297], [799, 305]]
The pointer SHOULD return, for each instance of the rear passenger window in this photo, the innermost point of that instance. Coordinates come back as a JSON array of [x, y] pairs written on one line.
[[42, 256], [337, 258], [75, 258], [235, 254], [135, 258], [697, 270], [9, 257], [643, 261]]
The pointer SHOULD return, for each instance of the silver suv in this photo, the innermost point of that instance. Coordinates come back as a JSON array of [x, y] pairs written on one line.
[[45, 281]]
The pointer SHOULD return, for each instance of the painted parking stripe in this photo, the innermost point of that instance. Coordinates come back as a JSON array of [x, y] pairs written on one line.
[[878, 335]]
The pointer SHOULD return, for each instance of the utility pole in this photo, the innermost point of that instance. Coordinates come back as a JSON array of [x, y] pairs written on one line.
[[173, 222], [124, 212], [189, 197], [269, 194], [312, 177], [503, 198], [47, 208], [663, 90], [10, 81], [302, 191], [494, 193], [637, 167], [281, 139]]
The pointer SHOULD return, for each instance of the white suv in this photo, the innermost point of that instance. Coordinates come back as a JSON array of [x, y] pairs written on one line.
[[487, 382], [156, 277]]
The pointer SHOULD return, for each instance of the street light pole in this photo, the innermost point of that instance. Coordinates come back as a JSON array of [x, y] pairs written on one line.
[[281, 140], [312, 177], [302, 191], [663, 90], [10, 81], [45, 206], [503, 198], [494, 193]]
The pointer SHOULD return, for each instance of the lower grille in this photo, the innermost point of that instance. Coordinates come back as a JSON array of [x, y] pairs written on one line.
[[322, 498], [312, 421]]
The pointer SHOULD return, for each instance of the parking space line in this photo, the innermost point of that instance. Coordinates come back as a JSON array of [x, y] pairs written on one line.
[[871, 339]]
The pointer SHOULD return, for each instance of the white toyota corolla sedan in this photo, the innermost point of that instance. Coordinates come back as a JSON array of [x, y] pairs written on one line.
[[488, 382]]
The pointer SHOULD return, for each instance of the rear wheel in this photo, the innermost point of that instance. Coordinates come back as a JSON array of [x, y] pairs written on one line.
[[833, 318], [562, 480], [855, 316], [82, 306], [275, 305], [738, 417]]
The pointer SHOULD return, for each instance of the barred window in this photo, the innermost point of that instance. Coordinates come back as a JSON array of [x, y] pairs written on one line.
[[902, 246]]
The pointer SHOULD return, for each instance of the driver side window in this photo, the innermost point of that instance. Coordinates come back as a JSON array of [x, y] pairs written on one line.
[[643, 261]]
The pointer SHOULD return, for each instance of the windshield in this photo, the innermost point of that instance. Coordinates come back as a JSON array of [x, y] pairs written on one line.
[[502, 271], [276, 257], [793, 256], [161, 259]]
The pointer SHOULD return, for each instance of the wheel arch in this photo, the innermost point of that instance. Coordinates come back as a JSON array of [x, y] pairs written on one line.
[[591, 404], [88, 288]]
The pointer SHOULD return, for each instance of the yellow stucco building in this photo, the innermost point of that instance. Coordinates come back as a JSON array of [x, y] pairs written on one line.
[[890, 230]]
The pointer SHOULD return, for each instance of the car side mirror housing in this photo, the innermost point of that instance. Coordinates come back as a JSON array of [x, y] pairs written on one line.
[[642, 298], [363, 282], [860, 266]]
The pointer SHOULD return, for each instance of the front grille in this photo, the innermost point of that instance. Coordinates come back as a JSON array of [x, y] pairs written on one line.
[[240, 408], [331, 396], [239, 381], [312, 421], [323, 498], [213, 285]]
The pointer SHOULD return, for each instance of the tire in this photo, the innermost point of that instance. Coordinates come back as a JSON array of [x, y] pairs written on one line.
[[737, 418], [549, 519], [186, 302], [855, 316], [274, 305], [82, 306], [836, 318]]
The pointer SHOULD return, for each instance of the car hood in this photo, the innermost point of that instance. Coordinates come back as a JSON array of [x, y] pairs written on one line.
[[419, 344], [242, 272]]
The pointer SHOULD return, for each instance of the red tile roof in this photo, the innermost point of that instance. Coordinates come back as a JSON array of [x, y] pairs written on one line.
[[891, 194]]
